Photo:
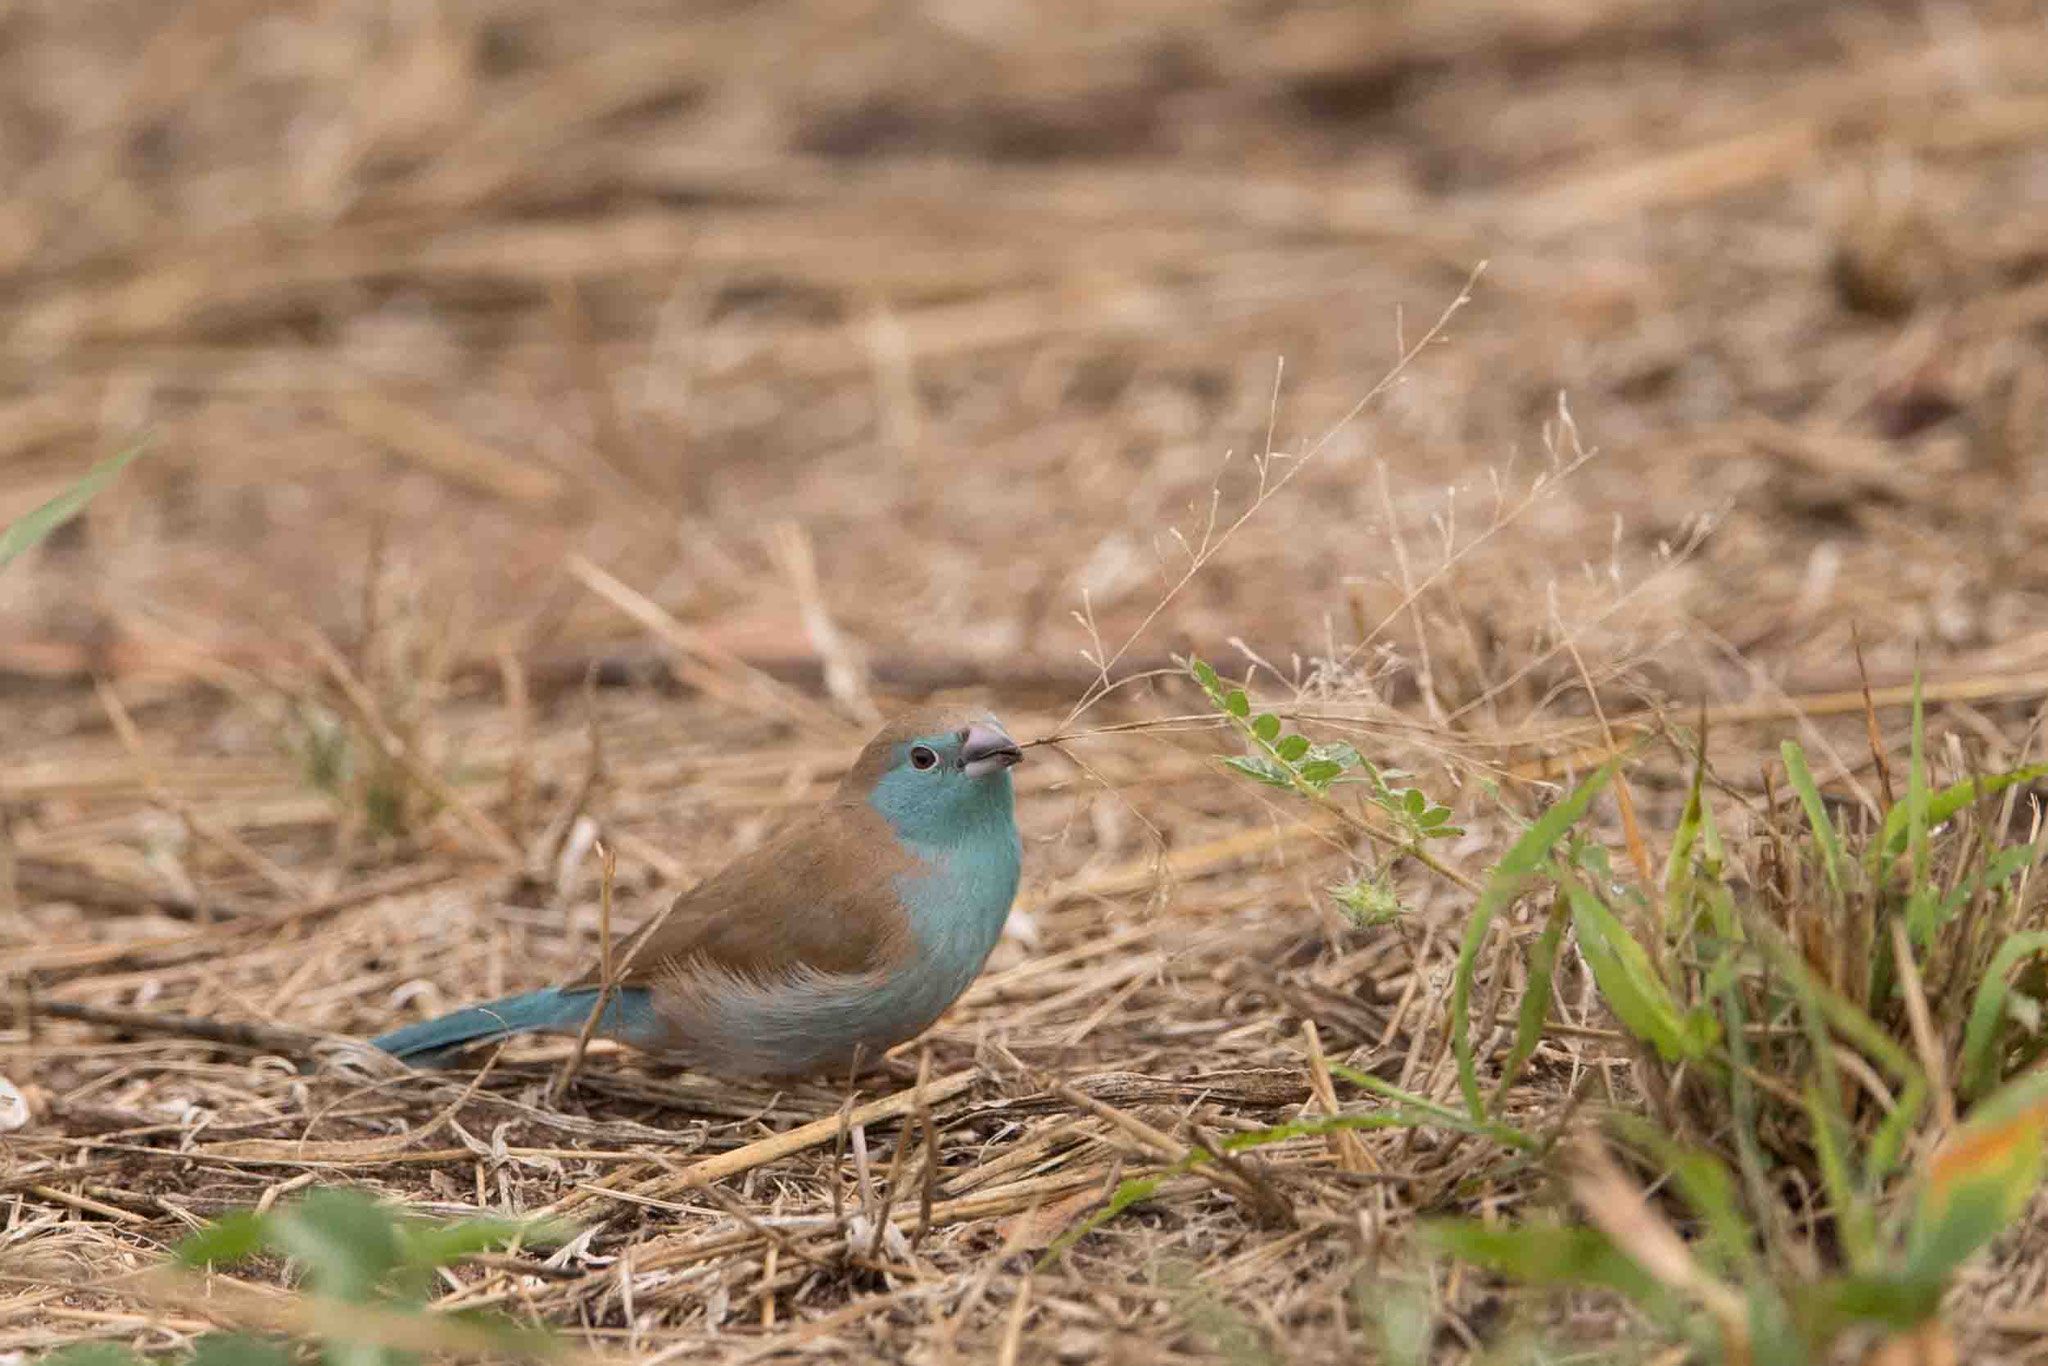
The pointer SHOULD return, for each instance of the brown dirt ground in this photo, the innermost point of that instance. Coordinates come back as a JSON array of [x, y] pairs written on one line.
[[867, 345]]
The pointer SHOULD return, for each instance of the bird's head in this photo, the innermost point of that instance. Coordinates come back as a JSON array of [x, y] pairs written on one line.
[[937, 777]]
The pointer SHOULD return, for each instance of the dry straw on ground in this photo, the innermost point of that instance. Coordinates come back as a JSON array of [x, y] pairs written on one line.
[[754, 366]]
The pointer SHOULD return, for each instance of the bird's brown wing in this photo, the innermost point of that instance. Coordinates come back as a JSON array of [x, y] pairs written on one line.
[[820, 895]]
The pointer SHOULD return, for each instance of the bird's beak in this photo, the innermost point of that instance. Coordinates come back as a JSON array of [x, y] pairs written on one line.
[[986, 749]]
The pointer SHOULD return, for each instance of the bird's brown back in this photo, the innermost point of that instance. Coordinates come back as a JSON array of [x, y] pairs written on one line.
[[821, 894]]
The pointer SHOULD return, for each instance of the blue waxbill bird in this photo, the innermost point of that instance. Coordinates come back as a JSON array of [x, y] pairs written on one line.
[[846, 934]]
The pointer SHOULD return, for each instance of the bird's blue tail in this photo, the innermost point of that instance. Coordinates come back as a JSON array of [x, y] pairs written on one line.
[[435, 1043]]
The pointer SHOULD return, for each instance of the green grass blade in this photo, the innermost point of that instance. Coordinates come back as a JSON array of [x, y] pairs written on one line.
[[1691, 828], [1824, 1008], [1856, 1222], [1941, 806], [239, 1349], [1997, 870], [92, 1354], [1850, 1185], [1523, 860], [1742, 1096], [1916, 791], [1979, 1184], [1707, 1188], [1888, 1145], [346, 1241], [1890, 1302], [1545, 1255], [1816, 814], [1987, 1010], [1417, 1111], [227, 1240], [31, 527], [1128, 1192], [435, 1245], [1628, 981], [1535, 1007]]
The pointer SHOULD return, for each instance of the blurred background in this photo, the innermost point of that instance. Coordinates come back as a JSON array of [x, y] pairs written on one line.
[[969, 307]]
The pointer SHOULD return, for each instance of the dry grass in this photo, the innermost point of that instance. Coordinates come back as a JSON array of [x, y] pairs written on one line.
[[766, 363]]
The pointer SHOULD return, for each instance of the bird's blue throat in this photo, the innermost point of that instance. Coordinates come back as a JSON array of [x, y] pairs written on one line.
[[963, 832]]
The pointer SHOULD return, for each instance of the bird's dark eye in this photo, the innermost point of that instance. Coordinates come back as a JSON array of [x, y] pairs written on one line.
[[923, 758]]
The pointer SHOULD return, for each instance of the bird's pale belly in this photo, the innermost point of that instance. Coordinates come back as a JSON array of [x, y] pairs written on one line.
[[798, 1023]]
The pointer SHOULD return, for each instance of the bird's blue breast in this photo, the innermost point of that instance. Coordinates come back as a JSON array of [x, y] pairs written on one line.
[[956, 902], [957, 894]]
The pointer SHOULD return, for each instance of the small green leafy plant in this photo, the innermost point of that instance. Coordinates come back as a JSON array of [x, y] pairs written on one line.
[[1323, 773], [366, 1273]]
